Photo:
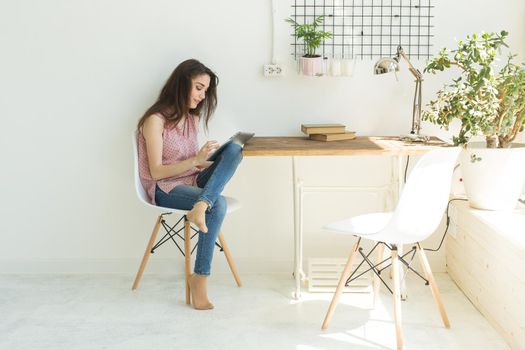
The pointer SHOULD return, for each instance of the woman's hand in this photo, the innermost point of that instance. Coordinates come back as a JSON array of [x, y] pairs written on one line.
[[204, 153]]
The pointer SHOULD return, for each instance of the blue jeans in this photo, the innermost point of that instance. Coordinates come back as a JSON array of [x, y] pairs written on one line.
[[210, 182]]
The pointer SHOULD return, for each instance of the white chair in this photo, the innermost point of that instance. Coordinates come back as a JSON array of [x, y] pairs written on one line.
[[417, 215], [172, 232]]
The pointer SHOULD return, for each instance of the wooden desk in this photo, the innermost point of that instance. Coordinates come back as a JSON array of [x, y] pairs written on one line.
[[360, 146]]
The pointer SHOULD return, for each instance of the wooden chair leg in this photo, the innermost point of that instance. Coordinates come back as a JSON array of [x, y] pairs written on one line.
[[377, 281], [229, 258], [433, 286], [340, 286], [397, 298], [147, 253], [404, 294], [187, 257]]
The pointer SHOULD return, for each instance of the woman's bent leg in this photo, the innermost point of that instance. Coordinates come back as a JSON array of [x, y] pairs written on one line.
[[181, 197], [213, 179]]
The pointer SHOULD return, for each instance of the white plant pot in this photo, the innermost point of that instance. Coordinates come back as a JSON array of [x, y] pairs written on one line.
[[311, 66], [493, 177]]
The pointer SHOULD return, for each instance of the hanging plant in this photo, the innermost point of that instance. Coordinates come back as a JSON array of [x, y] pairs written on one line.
[[311, 35]]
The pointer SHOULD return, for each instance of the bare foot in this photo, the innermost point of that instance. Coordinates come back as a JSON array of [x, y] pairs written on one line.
[[197, 215], [199, 292]]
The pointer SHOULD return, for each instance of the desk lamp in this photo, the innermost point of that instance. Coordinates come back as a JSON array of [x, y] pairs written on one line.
[[387, 65]]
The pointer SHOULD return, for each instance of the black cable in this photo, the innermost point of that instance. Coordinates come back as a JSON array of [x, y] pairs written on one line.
[[448, 224], [406, 169]]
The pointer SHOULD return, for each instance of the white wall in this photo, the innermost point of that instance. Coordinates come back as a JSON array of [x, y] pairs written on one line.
[[76, 76]]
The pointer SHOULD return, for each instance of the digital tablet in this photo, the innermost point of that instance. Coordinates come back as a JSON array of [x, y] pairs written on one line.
[[239, 138]]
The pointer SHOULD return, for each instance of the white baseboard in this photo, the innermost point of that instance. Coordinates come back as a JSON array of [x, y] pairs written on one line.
[[130, 266], [155, 265]]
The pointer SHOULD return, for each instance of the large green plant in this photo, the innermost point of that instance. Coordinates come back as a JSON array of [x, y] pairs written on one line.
[[311, 35], [487, 101]]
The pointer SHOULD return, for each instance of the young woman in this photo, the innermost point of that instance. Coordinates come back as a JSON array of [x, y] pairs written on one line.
[[175, 172]]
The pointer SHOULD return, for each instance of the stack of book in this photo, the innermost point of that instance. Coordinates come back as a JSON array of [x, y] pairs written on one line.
[[327, 132]]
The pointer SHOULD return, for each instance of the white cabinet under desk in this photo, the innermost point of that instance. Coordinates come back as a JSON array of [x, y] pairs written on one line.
[[486, 258]]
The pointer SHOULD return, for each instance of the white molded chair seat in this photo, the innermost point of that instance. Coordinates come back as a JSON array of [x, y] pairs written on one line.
[[232, 205], [366, 225], [417, 215], [171, 231]]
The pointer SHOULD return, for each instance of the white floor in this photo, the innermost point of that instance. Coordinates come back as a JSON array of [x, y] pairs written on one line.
[[101, 312]]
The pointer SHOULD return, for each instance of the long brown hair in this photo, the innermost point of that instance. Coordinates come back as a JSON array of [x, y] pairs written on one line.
[[173, 99]]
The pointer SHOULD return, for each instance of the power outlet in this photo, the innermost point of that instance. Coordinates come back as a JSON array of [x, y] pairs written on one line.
[[272, 70]]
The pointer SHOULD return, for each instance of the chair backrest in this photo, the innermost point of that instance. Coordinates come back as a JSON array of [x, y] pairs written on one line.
[[425, 195], [141, 193]]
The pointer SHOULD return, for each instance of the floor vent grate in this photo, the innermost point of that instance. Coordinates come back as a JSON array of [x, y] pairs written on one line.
[[324, 274]]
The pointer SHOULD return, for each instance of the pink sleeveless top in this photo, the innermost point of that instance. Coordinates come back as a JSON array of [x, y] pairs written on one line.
[[179, 143]]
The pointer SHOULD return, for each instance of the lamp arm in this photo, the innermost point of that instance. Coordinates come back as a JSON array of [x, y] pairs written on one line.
[[416, 107], [415, 72]]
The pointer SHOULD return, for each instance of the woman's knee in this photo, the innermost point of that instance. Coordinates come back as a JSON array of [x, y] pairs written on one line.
[[221, 206], [233, 151]]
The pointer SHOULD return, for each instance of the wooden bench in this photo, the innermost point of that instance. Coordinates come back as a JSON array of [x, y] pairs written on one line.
[[486, 258]]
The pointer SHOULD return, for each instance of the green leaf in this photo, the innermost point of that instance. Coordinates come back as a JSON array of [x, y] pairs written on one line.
[[486, 101]]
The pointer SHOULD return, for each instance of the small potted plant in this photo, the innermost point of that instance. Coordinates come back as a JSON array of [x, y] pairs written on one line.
[[312, 36], [488, 101]]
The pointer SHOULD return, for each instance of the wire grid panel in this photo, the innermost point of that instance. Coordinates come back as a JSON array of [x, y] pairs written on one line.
[[364, 29], [324, 275]]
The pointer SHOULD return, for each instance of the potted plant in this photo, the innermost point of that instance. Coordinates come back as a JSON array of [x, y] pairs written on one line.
[[312, 36], [488, 101]]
